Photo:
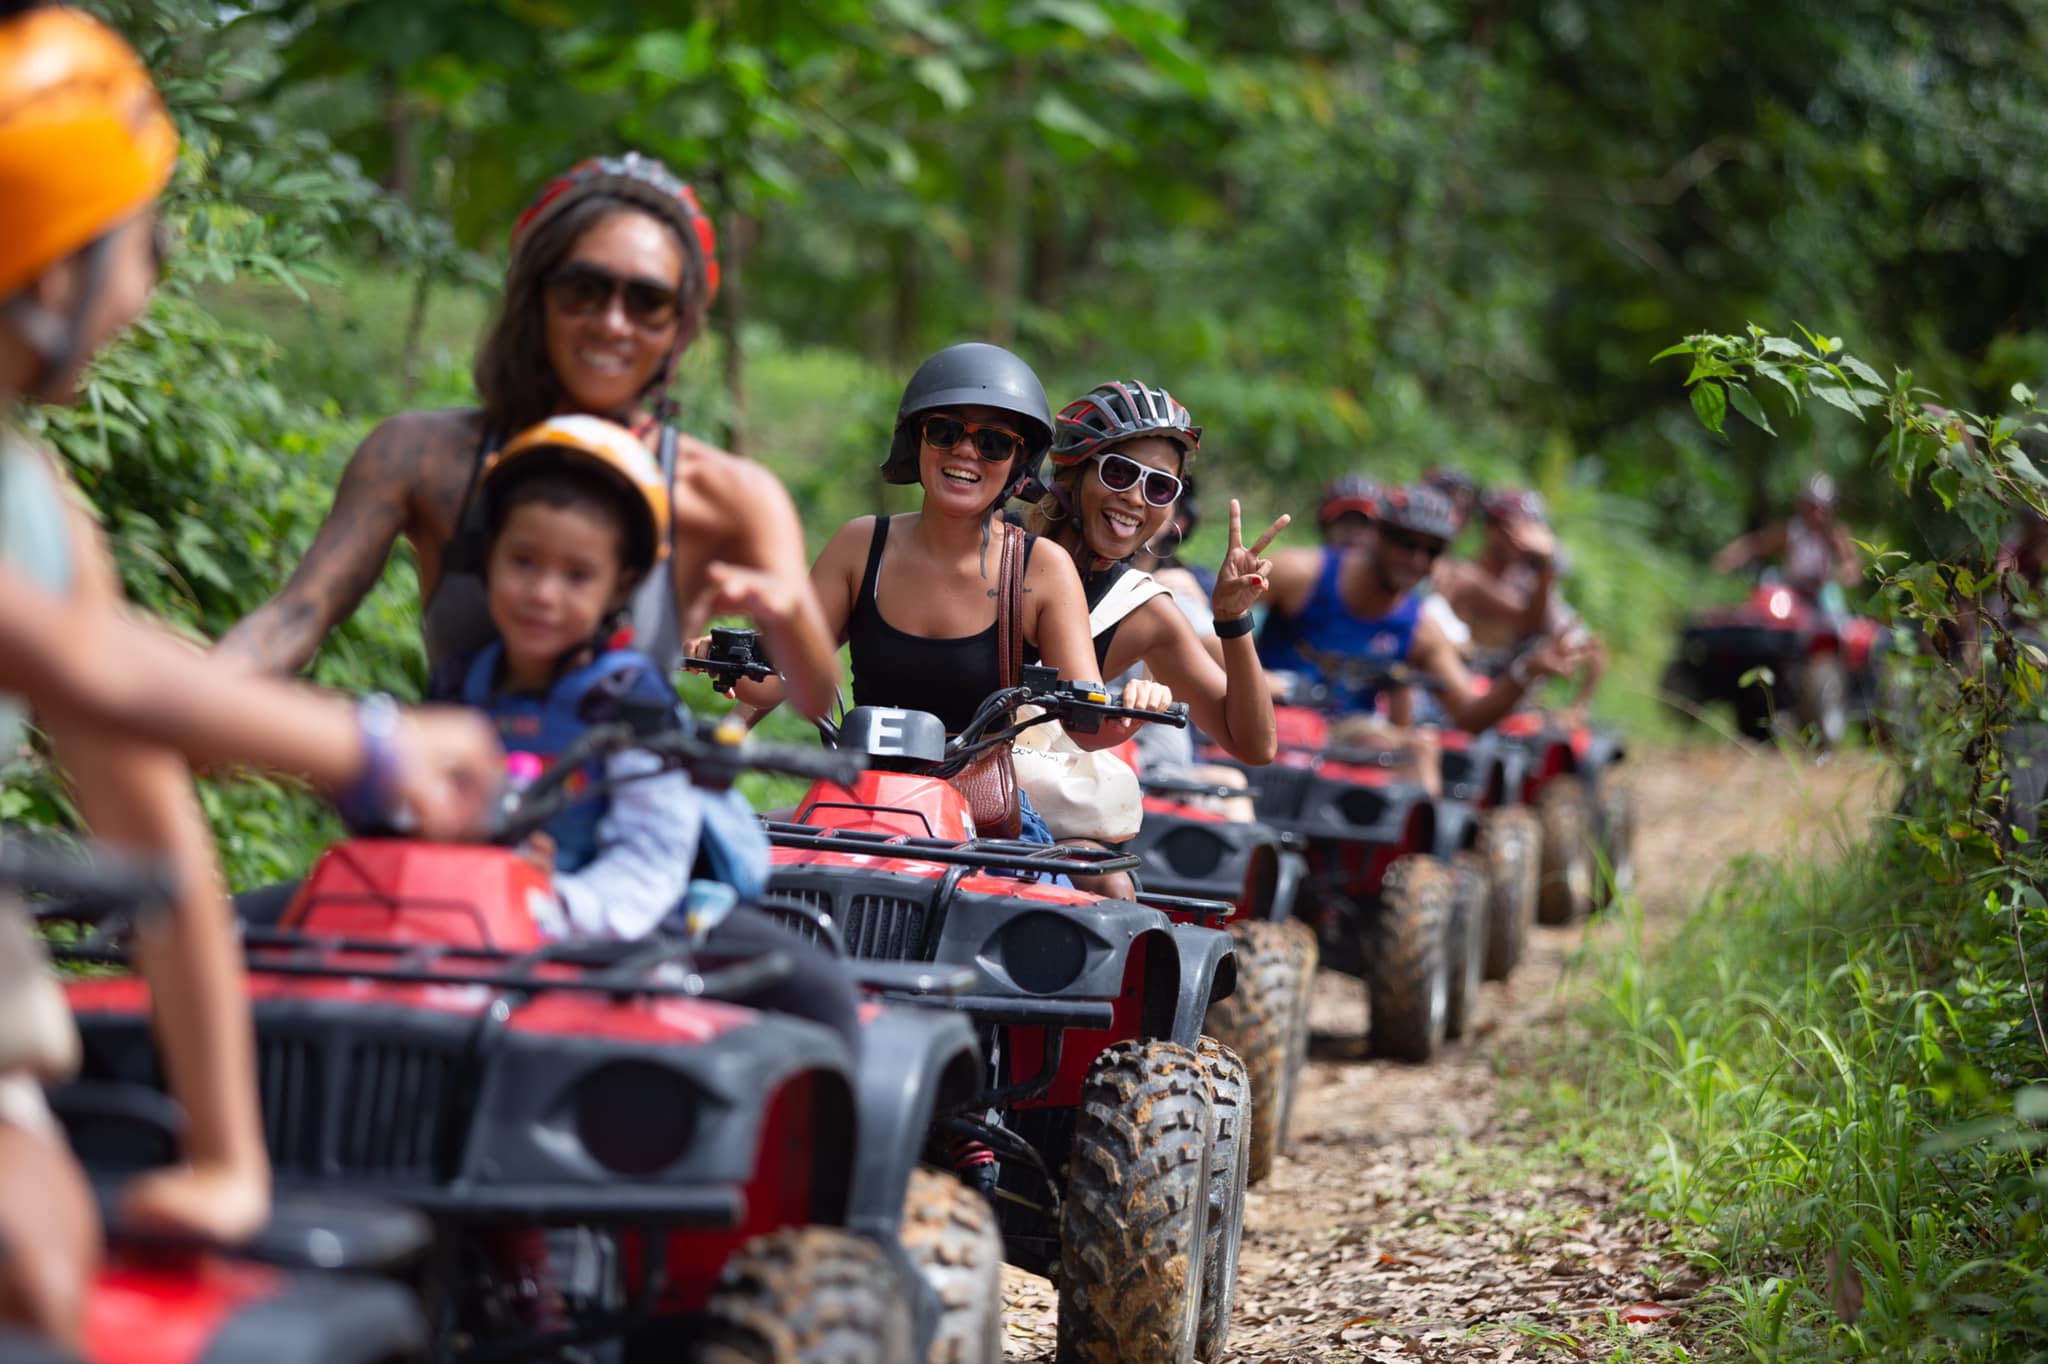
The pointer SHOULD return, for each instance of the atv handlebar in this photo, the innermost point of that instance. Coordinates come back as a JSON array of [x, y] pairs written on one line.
[[734, 656], [1079, 706], [88, 883], [713, 762]]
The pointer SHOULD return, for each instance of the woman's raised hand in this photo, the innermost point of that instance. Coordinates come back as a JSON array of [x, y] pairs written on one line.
[[1245, 576]]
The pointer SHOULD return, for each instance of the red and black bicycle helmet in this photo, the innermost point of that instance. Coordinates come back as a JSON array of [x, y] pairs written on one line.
[[1111, 413], [1460, 487], [1419, 510], [648, 183], [1516, 504], [1348, 495]]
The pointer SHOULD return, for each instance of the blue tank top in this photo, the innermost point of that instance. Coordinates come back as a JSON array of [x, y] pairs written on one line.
[[35, 540], [1326, 626], [543, 725]]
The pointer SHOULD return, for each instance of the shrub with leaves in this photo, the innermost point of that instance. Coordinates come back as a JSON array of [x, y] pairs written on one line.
[[1830, 1082]]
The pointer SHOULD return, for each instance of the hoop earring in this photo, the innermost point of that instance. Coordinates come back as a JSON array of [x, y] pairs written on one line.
[[1179, 538]]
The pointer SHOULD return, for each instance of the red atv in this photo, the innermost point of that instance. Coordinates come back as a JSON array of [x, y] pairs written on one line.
[[1187, 847], [1493, 842], [610, 1152], [1587, 816], [159, 1301], [1823, 664], [1383, 905], [1118, 1133]]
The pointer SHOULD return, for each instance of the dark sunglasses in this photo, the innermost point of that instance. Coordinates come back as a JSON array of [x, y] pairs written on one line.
[[1427, 545], [582, 290], [992, 443], [1119, 473]]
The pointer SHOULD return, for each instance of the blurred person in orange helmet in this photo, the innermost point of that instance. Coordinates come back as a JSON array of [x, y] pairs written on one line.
[[85, 147]]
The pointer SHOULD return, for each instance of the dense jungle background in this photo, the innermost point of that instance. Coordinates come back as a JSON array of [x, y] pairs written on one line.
[[1352, 235]]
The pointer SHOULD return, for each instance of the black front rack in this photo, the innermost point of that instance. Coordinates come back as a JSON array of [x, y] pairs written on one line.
[[990, 854], [1200, 907], [1179, 786], [622, 970]]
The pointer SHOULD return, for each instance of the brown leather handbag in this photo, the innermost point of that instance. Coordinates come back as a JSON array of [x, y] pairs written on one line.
[[990, 782]]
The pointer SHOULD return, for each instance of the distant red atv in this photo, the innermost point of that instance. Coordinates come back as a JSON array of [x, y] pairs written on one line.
[[1384, 906], [1118, 1132], [688, 1172], [1824, 666], [160, 1301]]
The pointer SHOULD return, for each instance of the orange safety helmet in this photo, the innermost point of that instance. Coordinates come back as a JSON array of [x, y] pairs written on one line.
[[593, 443], [84, 140]]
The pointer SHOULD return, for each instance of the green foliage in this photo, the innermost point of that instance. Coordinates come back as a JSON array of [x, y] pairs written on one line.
[[1830, 1082], [1828, 1068]]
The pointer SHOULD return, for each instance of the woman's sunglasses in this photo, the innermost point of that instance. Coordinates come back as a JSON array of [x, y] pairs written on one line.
[[992, 443], [1120, 473], [1426, 545], [582, 290]]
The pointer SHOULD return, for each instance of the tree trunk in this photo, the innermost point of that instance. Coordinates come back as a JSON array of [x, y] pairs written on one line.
[[402, 176], [1006, 251], [737, 234], [906, 321], [415, 336]]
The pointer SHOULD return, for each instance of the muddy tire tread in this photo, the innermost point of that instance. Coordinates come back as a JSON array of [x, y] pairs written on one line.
[[1256, 1021], [1308, 954], [1466, 941], [1132, 1225], [1406, 959], [950, 1234], [815, 1295], [1617, 842], [1511, 840], [1236, 1105], [1567, 818]]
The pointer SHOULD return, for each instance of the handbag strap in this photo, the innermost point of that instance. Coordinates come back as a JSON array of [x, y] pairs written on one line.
[[1129, 592], [1010, 606]]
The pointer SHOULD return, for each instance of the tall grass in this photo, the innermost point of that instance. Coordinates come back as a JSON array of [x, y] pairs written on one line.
[[1821, 1083]]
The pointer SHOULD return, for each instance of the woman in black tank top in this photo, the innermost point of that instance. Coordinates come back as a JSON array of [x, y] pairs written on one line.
[[915, 596], [1121, 453]]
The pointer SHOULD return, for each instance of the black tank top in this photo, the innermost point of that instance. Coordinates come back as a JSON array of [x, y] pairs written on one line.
[[456, 620], [948, 678]]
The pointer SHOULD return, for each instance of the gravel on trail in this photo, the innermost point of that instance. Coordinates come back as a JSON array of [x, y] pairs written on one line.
[[1406, 1222]]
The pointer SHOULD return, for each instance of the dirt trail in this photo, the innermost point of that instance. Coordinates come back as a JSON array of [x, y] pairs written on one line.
[[1404, 1224]]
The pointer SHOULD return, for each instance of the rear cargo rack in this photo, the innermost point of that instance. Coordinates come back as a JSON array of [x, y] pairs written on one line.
[[991, 854]]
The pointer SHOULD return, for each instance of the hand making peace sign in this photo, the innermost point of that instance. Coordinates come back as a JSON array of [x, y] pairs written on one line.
[[1245, 576]]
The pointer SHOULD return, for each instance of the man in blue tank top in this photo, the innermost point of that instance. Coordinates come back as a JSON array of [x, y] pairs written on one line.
[[1342, 618]]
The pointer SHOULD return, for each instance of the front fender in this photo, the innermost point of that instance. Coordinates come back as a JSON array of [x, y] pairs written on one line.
[[1604, 749], [1208, 972], [1456, 828], [1287, 884], [914, 1063]]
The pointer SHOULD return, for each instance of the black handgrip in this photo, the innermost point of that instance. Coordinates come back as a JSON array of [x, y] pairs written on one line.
[[812, 764]]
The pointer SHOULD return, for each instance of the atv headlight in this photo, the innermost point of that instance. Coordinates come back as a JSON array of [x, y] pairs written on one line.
[[634, 1118], [1361, 806], [1192, 851], [1043, 953]]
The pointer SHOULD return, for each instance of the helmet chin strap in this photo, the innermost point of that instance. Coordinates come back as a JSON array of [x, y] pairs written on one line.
[[59, 341]]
